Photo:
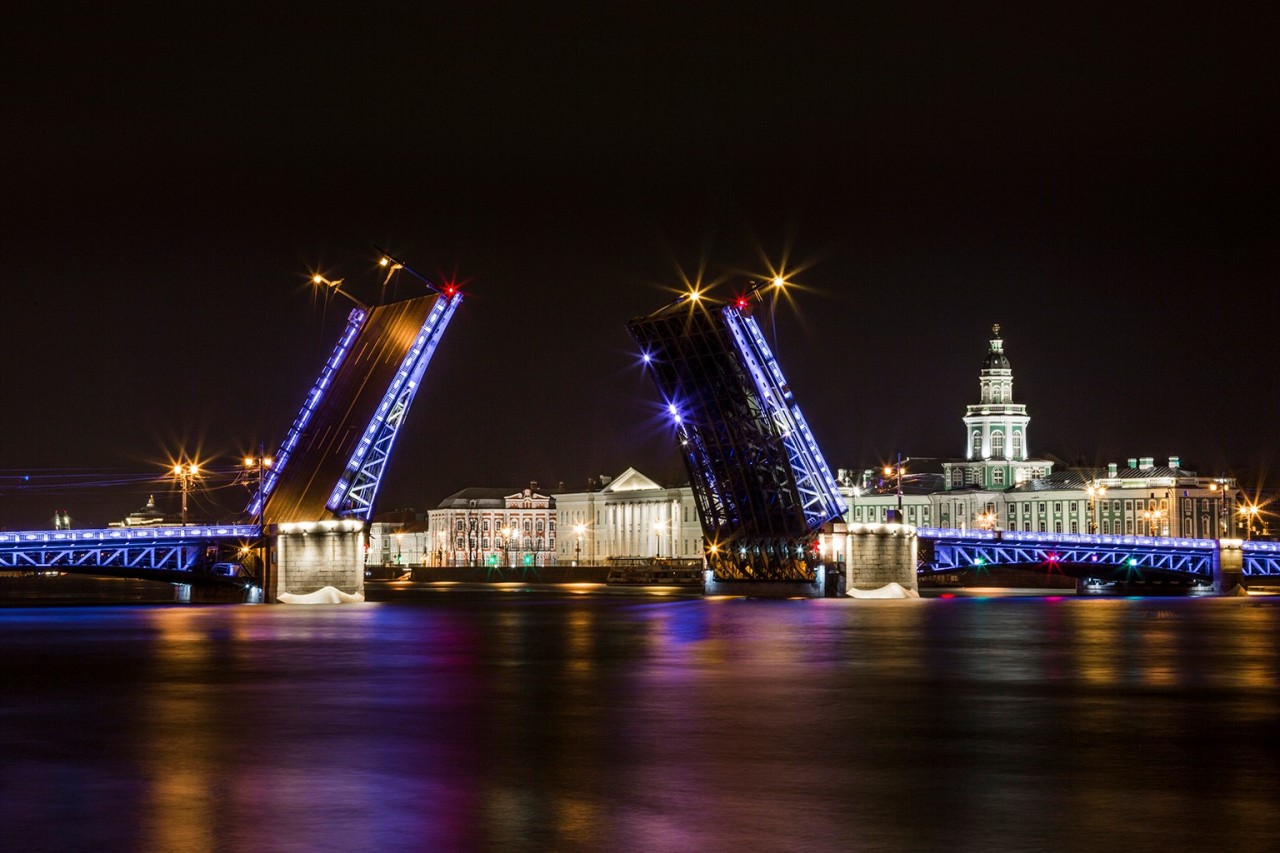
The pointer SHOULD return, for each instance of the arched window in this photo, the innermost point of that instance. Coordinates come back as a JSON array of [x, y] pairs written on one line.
[[1017, 445], [977, 445], [997, 476], [997, 444]]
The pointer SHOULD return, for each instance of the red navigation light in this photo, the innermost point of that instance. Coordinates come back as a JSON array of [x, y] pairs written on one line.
[[450, 290], [741, 302]]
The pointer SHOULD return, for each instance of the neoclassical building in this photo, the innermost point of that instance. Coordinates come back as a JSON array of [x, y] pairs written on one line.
[[998, 485], [996, 431], [629, 516]]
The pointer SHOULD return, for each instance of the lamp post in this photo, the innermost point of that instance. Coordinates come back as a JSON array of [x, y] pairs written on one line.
[[577, 552], [1095, 492], [1248, 512], [259, 465], [1153, 517], [896, 471], [657, 532], [185, 474]]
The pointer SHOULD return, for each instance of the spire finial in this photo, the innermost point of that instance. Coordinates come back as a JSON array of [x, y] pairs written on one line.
[[996, 329]]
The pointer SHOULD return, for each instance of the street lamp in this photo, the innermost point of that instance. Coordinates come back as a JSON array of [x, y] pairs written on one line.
[[1095, 492], [1249, 513], [986, 520], [258, 465], [891, 470], [1153, 517], [657, 532], [185, 474], [577, 553]]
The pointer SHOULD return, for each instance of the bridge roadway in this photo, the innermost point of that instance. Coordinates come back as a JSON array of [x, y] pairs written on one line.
[[173, 554], [1104, 556], [179, 553]]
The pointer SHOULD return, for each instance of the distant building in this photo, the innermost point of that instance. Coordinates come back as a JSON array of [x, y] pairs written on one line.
[[491, 527], [148, 516], [628, 516], [998, 485]]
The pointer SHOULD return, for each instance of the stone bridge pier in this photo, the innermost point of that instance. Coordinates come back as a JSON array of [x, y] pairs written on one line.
[[310, 555]]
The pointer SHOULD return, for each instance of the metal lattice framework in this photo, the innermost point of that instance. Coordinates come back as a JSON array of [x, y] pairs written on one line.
[[1261, 559], [355, 491], [1079, 555], [762, 488], [121, 549]]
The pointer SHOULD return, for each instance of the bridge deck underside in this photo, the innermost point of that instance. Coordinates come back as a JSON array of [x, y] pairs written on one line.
[[344, 412], [748, 495]]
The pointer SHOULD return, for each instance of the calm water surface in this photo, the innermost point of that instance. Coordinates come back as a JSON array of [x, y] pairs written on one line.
[[560, 722]]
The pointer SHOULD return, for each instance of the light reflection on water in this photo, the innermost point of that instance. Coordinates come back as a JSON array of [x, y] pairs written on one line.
[[543, 721]]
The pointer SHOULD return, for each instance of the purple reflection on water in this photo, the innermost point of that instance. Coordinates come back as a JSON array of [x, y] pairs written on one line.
[[496, 721]]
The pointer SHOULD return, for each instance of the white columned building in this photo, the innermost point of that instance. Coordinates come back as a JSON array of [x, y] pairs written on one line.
[[630, 516]]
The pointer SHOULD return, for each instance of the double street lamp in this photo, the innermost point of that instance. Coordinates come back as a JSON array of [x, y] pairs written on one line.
[[186, 474], [1248, 514], [577, 552]]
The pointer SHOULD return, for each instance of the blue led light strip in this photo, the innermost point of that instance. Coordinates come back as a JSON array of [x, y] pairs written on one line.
[[355, 320], [819, 495], [358, 486]]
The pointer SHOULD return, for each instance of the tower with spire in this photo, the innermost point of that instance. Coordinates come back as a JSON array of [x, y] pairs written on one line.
[[996, 451]]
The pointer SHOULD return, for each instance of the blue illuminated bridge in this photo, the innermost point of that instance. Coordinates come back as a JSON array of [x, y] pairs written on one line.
[[326, 472], [1105, 558]]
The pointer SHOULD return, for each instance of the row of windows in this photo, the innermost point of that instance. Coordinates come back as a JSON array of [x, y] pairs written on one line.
[[461, 525], [530, 544]]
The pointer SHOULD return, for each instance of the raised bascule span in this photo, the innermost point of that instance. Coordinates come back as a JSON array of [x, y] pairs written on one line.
[[762, 488], [335, 454]]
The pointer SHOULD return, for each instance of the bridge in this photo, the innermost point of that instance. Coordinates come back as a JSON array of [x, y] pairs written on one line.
[[1103, 558], [761, 486], [175, 554], [312, 503]]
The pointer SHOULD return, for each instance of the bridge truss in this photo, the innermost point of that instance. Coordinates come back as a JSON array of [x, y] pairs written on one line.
[[1077, 555], [762, 488], [124, 550]]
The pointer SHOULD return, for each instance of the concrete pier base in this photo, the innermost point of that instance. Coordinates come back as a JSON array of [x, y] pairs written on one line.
[[878, 555], [312, 555], [1228, 566]]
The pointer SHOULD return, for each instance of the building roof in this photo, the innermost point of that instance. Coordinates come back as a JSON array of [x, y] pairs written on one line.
[[483, 498]]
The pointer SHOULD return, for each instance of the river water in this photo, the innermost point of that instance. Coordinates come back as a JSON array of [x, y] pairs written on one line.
[[552, 720]]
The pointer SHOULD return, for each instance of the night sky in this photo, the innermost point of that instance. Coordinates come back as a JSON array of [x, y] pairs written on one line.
[[1104, 187]]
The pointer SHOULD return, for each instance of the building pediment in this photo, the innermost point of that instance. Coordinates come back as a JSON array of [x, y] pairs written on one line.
[[631, 480]]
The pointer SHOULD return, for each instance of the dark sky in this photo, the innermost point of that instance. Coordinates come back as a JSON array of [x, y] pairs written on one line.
[[1102, 184]]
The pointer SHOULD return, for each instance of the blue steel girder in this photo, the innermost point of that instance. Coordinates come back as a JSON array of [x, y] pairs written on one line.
[[160, 548], [820, 497], [1260, 559], [1070, 553], [355, 491], [355, 320]]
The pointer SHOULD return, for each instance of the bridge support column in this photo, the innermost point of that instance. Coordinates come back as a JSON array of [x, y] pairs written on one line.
[[1228, 566], [881, 554], [314, 555]]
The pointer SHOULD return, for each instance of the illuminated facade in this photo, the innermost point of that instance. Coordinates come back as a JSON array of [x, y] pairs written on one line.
[[629, 516], [488, 527], [998, 486]]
